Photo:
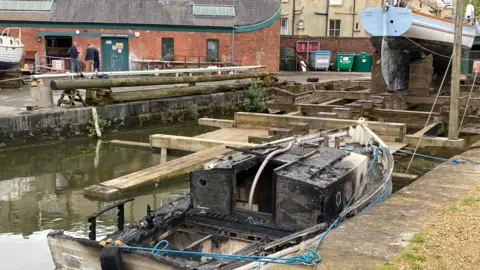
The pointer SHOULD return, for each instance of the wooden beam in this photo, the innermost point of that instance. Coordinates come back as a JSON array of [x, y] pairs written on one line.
[[114, 188], [434, 142], [178, 91], [129, 144], [388, 131], [221, 123], [336, 101], [412, 100], [191, 144], [125, 82], [313, 109], [282, 107], [414, 119], [344, 94]]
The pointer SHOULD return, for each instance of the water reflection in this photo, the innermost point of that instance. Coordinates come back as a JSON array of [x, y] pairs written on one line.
[[41, 190], [43, 199]]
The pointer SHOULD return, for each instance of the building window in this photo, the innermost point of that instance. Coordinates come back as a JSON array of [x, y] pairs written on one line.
[[214, 10], [336, 2], [212, 50], [168, 49], [357, 27], [447, 3], [334, 28], [284, 26]]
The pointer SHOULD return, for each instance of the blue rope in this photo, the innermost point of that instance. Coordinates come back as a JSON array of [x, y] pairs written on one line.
[[450, 160], [313, 257], [310, 258], [405, 166]]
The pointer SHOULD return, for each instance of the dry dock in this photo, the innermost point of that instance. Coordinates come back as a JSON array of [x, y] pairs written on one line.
[[373, 238], [212, 145]]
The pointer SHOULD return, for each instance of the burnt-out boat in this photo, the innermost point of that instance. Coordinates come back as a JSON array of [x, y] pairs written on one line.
[[254, 206]]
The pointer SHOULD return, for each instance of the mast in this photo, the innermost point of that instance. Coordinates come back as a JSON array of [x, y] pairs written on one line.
[[456, 62]]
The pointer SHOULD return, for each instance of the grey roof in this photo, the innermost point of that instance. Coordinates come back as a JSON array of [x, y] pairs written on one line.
[[149, 12]]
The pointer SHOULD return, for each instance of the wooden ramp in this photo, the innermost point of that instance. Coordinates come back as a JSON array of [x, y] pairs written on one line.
[[114, 188], [207, 146], [233, 134]]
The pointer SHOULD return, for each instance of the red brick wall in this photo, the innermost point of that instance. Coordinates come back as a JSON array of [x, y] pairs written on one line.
[[250, 47], [334, 44], [259, 46]]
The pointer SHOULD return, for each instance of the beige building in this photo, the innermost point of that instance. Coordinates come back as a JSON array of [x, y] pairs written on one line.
[[335, 18]]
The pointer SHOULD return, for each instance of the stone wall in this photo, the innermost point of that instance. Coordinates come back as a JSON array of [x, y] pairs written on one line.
[[48, 125]]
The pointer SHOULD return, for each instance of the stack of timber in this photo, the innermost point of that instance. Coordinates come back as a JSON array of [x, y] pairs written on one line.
[[99, 91]]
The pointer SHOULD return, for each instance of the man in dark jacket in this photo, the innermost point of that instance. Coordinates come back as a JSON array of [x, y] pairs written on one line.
[[96, 59], [89, 57], [73, 54]]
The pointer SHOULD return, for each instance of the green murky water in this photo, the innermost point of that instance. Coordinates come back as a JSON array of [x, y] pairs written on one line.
[[41, 190]]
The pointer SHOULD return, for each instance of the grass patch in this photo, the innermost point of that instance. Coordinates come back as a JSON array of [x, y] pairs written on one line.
[[411, 257], [452, 209], [385, 266], [419, 238], [478, 188], [415, 266], [468, 200]]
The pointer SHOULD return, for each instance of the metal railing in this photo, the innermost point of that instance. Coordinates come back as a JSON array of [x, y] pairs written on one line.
[[180, 61]]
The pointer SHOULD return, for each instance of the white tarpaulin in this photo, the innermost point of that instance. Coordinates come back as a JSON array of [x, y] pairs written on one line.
[[435, 4]]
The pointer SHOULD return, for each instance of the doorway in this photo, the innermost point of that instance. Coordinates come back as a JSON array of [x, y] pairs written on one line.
[[56, 48], [115, 54]]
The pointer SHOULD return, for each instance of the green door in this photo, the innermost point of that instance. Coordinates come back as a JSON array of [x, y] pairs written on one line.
[[115, 54]]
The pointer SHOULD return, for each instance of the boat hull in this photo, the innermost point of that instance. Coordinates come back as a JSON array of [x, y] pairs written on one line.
[[74, 253], [10, 56], [401, 37]]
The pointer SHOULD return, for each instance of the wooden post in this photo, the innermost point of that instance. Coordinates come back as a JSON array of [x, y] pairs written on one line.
[[457, 58], [163, 155]]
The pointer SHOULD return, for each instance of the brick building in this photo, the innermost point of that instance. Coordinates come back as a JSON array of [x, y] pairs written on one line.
[[246, 32]]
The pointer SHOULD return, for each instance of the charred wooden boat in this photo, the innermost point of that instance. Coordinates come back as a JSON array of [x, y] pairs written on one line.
[[259, 201]]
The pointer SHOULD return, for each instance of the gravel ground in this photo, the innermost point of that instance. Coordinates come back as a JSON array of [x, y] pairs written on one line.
[[452, 243]]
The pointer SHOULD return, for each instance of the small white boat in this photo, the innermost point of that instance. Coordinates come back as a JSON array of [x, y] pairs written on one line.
[[11, 48], [403, 35]]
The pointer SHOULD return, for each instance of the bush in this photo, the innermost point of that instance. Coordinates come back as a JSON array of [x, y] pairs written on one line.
[[255, 100], [192, 113]]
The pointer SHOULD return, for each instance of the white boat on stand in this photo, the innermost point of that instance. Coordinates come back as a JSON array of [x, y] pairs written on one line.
[[11, 48], [402, 34]]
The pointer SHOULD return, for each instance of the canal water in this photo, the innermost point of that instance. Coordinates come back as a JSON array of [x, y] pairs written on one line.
[[41, 190]]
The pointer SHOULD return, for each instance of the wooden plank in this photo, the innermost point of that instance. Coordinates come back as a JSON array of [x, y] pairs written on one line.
[[191, 144], [335, 101], [344, 94], [434, 142], [114, 188], [283, 107], [221, 123], [388, 131], [233, 134], [413, 100], [130, 144], [395, 146]]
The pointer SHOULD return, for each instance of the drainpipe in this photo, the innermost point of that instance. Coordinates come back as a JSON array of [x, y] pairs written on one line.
[[353, 15], [233, 45], [326, 18], [293, 18]]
